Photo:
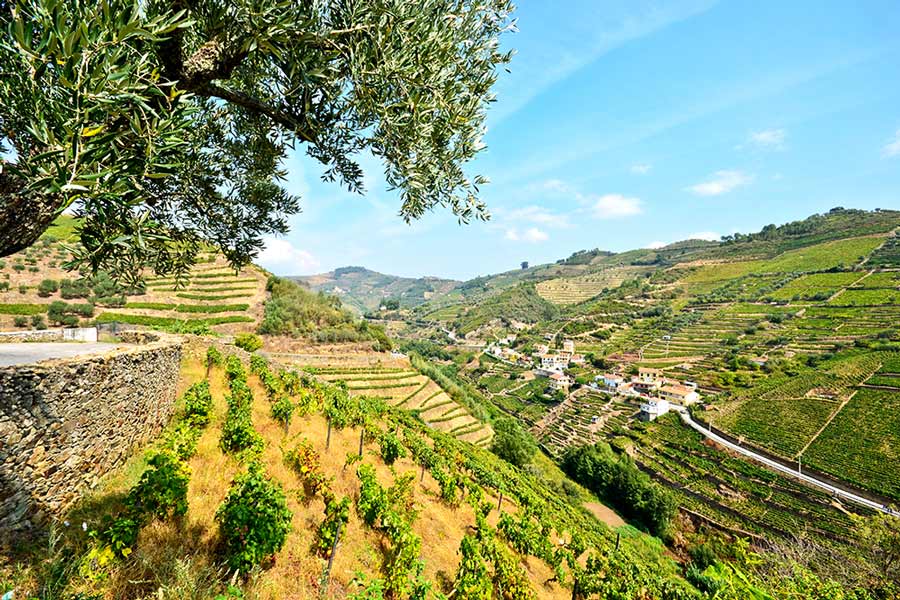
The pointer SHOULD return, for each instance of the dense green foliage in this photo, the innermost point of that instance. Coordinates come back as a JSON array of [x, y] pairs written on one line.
[[512, 442], [254, 520], [616, 479]]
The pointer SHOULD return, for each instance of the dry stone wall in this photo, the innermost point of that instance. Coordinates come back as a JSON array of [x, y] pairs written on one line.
[[64, 424]]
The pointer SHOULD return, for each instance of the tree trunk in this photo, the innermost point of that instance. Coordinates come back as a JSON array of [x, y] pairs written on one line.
[[23, 217]]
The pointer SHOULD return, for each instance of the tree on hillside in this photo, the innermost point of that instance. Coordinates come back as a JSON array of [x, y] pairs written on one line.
[[165, 123], [513, 443]]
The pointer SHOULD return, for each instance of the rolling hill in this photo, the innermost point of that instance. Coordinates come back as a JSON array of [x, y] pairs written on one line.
[[365, 290]]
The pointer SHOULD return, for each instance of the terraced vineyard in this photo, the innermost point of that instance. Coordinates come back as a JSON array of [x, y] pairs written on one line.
[[213, 294], [582, 419], [783, 414], [736, 493], [888, 255], [404, 387], [862, 444], [572, 290]]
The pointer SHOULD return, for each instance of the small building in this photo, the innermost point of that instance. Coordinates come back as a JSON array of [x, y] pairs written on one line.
[[560, 381], [679, 394], [644, 386], [611, 382], [508, 340], [569, 346], [653, 408], [541, 349], [554, 361], [577, 359], [648, 374]]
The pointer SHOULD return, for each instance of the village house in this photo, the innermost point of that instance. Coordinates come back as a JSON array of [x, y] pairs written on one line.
[[560, 381], [541, 349], [644, 386], [569, 346], [508, 340], [653, 408], [679, 394], [611, 382], [647, 374], [554, 361]]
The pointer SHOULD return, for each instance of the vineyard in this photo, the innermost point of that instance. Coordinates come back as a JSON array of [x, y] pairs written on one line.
[[404, 387], [737, 493], [37, 292], [301, 493], [572, 290]]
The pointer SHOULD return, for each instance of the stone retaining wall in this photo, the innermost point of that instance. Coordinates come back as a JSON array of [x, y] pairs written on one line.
[[34, 335], [66, 423]]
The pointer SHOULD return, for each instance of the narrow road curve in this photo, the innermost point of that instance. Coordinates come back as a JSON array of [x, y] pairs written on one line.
[[783, 469]]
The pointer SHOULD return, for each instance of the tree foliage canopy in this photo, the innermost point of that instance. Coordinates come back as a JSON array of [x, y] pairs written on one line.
[[164, 123]]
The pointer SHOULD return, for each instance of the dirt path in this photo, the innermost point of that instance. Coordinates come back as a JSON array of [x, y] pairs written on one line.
[[604, 514]]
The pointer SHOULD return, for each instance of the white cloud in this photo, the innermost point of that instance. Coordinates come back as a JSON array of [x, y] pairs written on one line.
[[709, 236], [281, 256], [614, 206], [641, 168], [539, 215], [532, 235], [770, 139], [721, 182], [656, 245], [892, 148]]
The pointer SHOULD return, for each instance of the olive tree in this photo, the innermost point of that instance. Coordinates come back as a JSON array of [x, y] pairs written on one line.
[[163, 124]]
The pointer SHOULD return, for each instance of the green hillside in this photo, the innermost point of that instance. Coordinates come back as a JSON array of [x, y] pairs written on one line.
[[365, 290]]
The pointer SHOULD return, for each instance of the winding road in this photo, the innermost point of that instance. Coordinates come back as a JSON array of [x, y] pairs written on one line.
[[688, 420]]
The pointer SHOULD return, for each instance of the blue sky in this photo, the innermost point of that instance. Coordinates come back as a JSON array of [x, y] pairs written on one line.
[[628, 124]]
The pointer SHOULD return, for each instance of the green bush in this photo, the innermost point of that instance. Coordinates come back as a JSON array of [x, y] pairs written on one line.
[[282, 410], [77, 288], [391, 447], [162, 490], [198, 403], [254, 520], [512, 442], [20, 321], [37, 321], [248, 341], [47, 287], [238, 434], [213, 356]]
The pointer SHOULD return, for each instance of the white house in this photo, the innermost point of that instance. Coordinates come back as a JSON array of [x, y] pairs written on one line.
[[612, 382], [560, 381], [569, 346], [554, 361], [653, 408], [679, 394]]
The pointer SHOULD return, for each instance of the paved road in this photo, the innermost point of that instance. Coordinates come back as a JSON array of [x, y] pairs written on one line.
[[24, 353], [780, 467]]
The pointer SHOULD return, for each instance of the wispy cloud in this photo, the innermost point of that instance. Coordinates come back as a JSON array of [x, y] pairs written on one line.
[[721, 182], [768, 139], [616, 206], [531, 235], [656, 245], [537, 214], [641, 168], [282, 256], [892, 148]]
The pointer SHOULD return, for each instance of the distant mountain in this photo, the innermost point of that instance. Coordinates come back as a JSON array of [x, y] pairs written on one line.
[[364, 290]]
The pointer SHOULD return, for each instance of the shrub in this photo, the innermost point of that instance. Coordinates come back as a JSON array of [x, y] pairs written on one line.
[[213, 356], [20, 321], [282, 411], [78, 288], [67, 314], [47, 287], [254, 520], [37, 321], [238, 434], [18, 267], [23, 289], [512, 443], [198, 403], [162, 489], [4, 286], [248, 341], [391, 447], [337, 514]]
